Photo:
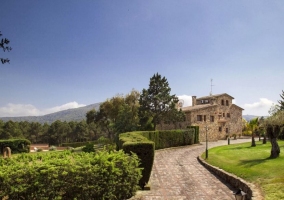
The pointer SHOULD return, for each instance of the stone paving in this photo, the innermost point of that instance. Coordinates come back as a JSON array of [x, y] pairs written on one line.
[[177, 175]]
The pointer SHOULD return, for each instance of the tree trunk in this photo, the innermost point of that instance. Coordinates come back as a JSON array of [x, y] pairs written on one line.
[[252, 140], [275, 150], [272, 133], [264, 139]]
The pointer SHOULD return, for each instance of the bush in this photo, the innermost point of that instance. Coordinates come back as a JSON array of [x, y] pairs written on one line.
[[64, 175], [16, 145], [52, 148], [89, 148]]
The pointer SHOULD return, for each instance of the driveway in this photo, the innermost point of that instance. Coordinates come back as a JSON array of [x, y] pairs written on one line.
[[177, 175]]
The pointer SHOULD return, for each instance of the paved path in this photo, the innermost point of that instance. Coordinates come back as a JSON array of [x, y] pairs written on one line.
[[177, 175]]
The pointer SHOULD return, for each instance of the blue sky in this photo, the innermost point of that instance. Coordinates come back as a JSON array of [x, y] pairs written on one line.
[[68, 53]]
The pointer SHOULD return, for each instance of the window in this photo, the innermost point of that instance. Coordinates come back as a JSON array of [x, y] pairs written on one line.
[[223, 114], [205, 118], [227, 130], [228, 115], [199, 118], [222, 102], [211, 118], [220, 128], [227, 103]]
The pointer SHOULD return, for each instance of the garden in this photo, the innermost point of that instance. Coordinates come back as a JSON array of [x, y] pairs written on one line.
[[252, 164]]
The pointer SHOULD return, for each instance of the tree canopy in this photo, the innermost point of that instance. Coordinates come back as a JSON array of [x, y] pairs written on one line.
[[281, 101], [156, 102], [4, 45]]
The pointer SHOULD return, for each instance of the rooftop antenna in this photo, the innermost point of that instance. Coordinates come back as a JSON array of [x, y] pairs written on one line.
[[211, 87]]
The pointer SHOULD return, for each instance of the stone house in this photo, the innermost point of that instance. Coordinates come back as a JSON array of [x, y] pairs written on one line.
[[216, 112]]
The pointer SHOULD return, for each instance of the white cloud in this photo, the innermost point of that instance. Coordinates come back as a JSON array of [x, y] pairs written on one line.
[[66, 106], [17, 110], [259, 108], [187, 100]]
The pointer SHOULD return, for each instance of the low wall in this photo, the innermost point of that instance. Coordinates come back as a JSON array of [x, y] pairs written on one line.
[[252, 191]]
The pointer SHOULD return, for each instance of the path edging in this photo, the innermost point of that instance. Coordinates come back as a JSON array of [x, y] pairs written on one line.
[[252, 191]]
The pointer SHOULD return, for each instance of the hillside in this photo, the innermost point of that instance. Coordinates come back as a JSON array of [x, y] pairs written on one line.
[[75, 114], [250, 117]]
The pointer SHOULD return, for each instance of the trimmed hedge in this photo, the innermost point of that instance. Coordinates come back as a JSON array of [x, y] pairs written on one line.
[[196, 129], [77, 144], [144, 144], [170, 138], [101, 140], [66, 175], [133, 142], [16, 145]]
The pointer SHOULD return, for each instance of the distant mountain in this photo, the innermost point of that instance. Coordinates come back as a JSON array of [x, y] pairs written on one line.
[[250, 117], [75, 114]]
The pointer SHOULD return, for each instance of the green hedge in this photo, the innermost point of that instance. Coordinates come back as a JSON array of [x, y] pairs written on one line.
[[196, 132], [101, 140], [77, 144], [16, 145], [144, 143], [133, 142], [66, 175], [170, 138]]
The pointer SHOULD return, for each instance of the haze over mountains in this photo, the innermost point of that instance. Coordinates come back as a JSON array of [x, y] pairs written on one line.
[[75, 114]]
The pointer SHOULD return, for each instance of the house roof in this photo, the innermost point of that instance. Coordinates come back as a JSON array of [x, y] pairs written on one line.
[[196, 107], [237, 106], [215, 95]]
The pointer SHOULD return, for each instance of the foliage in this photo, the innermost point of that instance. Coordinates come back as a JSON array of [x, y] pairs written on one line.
[[54, 134], [170, 138], [253, 165], [16, 145], [281, 102], [143, 143], [3, 45], [116, 115], [89, 148], [52, 148], [134, 142], [156, 102], [70, 176]]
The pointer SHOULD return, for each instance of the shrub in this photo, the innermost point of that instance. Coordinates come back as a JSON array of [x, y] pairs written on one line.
[[52, 148], [64, 175], [89, 148], [16, 145]]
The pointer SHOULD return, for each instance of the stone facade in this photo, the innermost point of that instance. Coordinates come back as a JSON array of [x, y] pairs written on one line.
[[215, 113]]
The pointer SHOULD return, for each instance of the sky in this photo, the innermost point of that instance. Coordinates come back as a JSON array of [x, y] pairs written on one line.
[[68, 53]]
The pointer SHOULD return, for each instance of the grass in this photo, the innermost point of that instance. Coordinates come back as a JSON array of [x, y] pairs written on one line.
[[253, 165]]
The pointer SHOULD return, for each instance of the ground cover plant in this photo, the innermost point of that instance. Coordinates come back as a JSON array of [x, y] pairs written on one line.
[[67, 175], [252, 164]]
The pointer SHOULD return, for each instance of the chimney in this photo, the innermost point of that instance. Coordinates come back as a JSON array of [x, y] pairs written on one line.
[[193, 100]]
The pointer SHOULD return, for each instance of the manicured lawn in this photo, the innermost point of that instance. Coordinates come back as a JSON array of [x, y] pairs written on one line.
[[253, 165]]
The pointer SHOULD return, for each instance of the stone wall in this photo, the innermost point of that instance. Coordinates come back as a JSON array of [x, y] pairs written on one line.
[[227, 118], [252, 191]]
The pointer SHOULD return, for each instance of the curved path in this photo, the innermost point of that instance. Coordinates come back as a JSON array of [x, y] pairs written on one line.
[[177, 175]]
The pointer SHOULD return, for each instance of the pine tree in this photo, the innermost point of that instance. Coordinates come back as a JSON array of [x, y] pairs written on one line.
[[3, 45], [281, 102], [156, 102]]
